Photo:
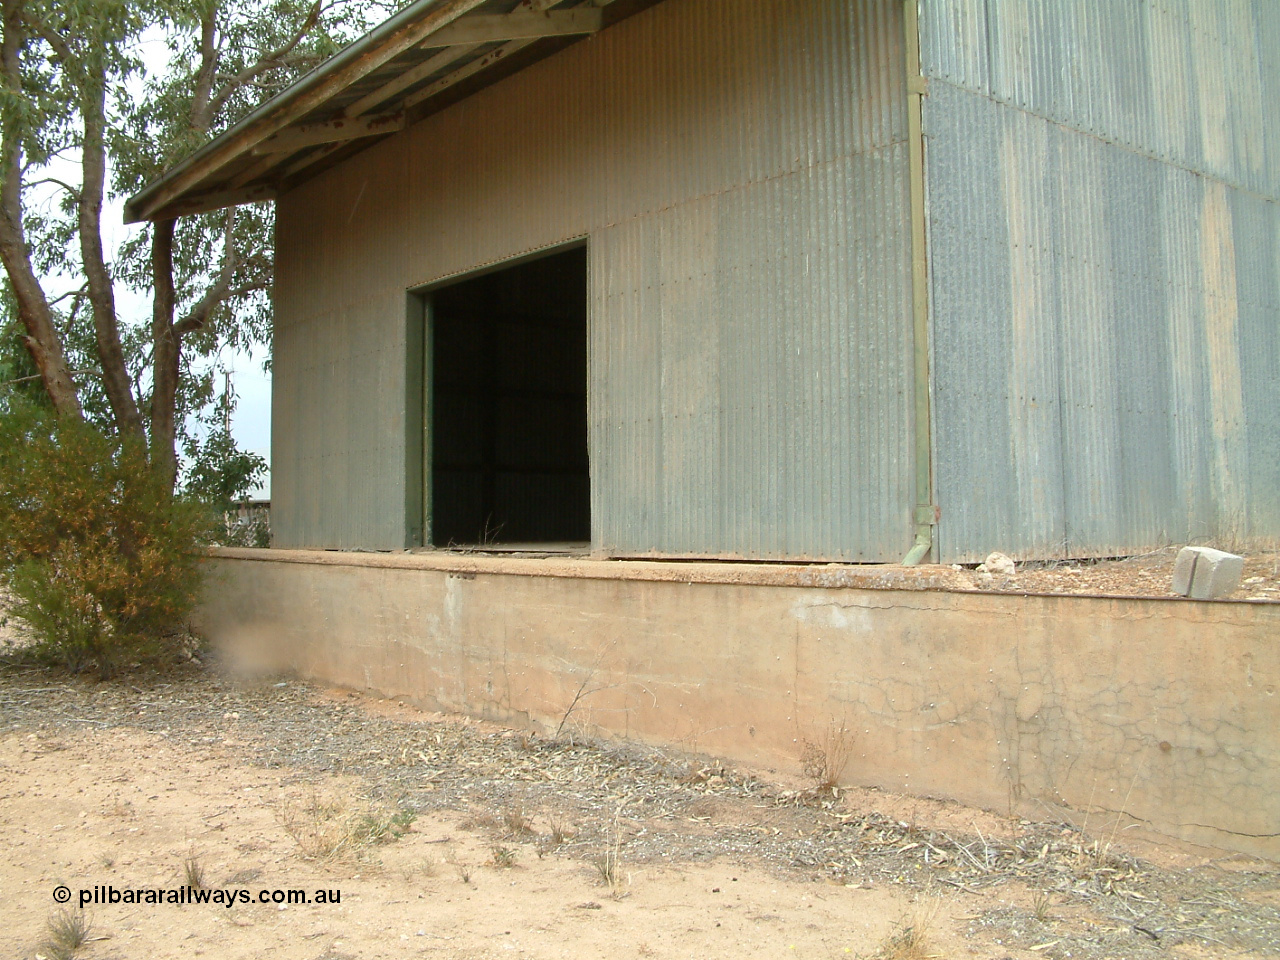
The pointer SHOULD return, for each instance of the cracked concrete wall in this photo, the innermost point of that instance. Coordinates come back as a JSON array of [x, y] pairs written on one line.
[[1163, 709]]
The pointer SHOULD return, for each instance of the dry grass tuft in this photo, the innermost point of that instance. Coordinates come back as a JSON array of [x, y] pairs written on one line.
[[560, 831], [460, 867], [909, 940], [1040, 906], [503, 857], [824, 758], [67, 931], [425, 867], [608, 863], [516, 823], [193, 870], [481, 821], [331, 829]]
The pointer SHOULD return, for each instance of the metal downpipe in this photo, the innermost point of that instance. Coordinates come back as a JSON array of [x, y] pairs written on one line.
[[926, 513], [922, 546]]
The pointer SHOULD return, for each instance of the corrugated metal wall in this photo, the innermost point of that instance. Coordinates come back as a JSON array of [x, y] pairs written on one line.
[[739, 169], [1105, 262]]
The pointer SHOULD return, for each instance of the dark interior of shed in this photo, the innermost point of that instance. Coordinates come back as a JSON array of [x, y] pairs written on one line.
[[508, 406]]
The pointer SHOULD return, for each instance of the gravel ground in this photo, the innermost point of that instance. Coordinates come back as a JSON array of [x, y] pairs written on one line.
[[1084, 896], [1148, 575]]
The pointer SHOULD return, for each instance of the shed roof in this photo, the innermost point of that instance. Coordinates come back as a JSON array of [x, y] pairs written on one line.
[[431, 54]]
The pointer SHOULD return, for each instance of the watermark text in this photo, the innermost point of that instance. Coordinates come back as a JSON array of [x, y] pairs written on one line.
[[107, 894]]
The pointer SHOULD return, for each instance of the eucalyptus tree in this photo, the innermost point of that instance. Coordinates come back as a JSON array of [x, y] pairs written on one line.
[[97, 98]]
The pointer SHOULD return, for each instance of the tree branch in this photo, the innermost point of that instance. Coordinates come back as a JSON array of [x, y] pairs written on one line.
[[267, 61], [75, 193], [201, 112], [83, 289], [115, 373], [49, 36], [198, 315], [247, 288], [165, 350], [41, 337], [36, 376]]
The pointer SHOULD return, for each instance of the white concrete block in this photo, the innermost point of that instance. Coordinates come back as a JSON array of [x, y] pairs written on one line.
[[1203, 573]]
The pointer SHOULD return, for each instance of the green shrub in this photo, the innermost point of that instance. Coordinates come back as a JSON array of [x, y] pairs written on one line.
[[99, 559]]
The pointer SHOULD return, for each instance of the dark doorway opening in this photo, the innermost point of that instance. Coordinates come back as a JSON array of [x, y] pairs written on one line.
[[509, 406]]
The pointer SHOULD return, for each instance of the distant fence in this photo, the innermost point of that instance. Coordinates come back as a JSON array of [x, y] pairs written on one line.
[[248, 524]]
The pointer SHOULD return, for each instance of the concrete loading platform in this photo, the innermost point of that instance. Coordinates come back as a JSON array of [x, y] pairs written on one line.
[[1163, 709]]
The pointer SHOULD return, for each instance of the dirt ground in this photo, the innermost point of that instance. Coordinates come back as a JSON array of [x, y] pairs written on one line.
[[448, 837]]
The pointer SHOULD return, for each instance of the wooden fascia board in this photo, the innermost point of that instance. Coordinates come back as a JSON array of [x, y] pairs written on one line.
[[217, 200]]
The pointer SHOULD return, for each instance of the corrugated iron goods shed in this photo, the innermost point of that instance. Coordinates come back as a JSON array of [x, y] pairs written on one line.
[[774, 278]]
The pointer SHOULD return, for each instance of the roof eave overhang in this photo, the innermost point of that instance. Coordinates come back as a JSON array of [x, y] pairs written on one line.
[[430, 54]]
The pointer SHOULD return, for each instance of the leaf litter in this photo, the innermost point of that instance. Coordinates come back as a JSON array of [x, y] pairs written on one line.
[[1092, 899]]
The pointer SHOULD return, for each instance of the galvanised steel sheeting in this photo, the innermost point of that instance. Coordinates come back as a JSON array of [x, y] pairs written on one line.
[[739, 171], [1194, 83], [1105, 285], [339, 403], [774, 424]]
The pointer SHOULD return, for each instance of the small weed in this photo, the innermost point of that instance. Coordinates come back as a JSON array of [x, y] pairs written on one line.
[[1040, 905], [68, 931], [823, 759], [503, 857], [908, 941], [462, 869], [193, 871], [327, 829], [516, 823], [561, 831], [608, 863], [423, 868], [107, 860], [382, 826]]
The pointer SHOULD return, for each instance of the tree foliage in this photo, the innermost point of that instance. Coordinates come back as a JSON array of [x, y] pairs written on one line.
[[100, 559], [98, 98], [97, 395]]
